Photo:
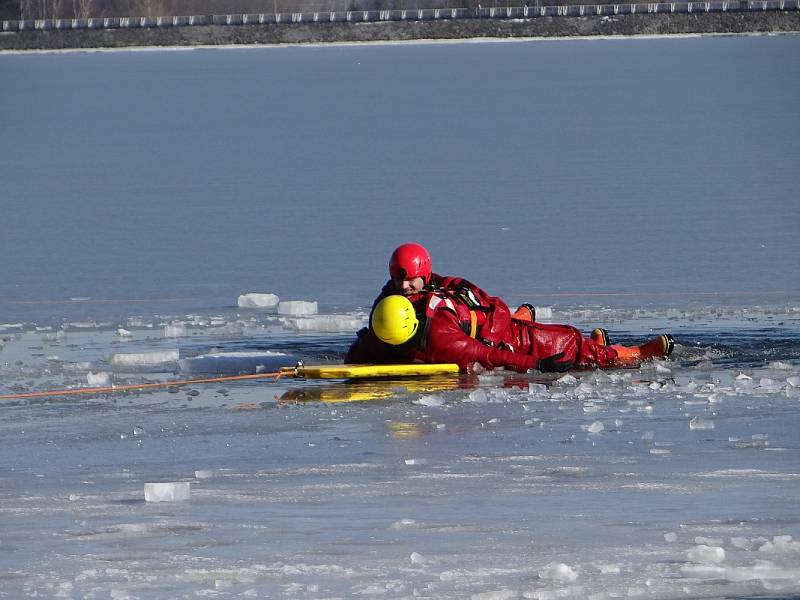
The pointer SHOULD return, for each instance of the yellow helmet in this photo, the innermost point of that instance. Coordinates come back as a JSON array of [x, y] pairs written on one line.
[[394, 320]]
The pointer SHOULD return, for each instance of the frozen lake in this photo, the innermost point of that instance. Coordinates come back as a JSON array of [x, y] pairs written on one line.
[[639, 185]]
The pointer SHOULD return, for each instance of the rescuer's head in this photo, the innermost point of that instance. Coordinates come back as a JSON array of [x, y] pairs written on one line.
[[410, 268]]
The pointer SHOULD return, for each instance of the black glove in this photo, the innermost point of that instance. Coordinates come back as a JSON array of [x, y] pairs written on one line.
[[554, 364]]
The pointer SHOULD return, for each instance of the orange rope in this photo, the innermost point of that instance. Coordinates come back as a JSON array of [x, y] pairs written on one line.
[[138, 386]]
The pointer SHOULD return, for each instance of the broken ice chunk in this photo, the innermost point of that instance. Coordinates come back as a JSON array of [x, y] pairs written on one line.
[[700, 423], [595, 427], [559, 572], [324, 323], [706, 554], [254, 300], [478, 396], [167, 491], [99, 379], [175, 330], [430, 400], [297, 307], [143, 358]]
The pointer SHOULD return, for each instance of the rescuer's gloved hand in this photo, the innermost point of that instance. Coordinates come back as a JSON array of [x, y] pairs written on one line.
[[554, 364]]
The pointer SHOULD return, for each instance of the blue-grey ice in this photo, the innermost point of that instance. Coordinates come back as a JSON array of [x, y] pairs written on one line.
[[157, 206]]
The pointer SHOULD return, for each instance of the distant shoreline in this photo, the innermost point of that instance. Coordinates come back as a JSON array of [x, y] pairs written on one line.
[[307, 33]]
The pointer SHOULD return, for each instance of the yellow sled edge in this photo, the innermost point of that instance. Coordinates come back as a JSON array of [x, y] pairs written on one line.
[[368, 371]]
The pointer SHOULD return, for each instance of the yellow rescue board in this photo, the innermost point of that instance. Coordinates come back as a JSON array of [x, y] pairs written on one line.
[[368, 371]]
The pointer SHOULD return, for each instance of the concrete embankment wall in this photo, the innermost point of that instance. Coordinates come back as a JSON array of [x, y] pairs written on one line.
[[555, 21]]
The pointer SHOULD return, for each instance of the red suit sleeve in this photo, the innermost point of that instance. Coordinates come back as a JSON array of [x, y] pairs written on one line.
[[447, 343]]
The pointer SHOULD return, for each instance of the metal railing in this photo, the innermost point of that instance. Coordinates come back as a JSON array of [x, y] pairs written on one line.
[[430, 14]]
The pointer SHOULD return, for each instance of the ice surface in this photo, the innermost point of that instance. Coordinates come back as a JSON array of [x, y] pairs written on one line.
[[167, 491], [258, 300], [313, 498], [297, 307]]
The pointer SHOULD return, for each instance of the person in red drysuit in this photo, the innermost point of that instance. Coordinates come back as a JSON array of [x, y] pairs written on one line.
[[438, 327], [411, 275]]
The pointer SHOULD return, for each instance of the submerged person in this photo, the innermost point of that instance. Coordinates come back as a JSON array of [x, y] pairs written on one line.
[[439, 328]]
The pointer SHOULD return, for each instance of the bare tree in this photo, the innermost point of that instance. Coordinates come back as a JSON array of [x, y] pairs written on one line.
[[25, 9], [81, 9]]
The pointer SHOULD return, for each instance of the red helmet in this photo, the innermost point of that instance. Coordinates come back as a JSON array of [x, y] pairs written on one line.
[[409, 261]]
